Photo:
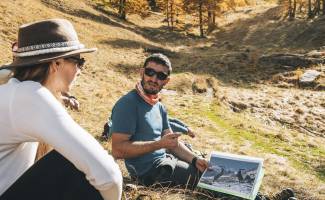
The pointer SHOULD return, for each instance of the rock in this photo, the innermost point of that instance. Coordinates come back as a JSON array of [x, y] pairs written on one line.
[[316, 54], [299, 111], [130, 187], [309, 77], [238, 106], [199, 86], [143, 197], [320, 87], [287, 67], [285, 85]]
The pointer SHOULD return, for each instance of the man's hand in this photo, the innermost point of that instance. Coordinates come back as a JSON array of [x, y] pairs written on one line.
[[191, 133], [201, 164], [169, 141], [70, 102]]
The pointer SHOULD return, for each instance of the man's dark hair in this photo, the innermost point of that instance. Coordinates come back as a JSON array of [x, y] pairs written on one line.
[[159, 59]]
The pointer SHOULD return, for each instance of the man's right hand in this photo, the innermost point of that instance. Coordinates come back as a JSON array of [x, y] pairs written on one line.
[[169, 141]]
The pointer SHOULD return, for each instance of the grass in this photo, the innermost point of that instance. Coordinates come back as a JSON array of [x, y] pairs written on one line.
[[298, 152], [238, 129]]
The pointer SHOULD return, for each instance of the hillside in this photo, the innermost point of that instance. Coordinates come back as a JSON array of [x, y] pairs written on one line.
[[219, 88]]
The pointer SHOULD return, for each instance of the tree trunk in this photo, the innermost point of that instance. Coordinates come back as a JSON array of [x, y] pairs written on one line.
[[172, 14], [121, 10], [167, 12], [310, 14], [290, 9], [323, 2], [317, 7], [201, 18], [294, 8], [153, 5], [211, 21]]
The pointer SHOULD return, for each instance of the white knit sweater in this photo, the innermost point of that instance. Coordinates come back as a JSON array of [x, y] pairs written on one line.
[[29, 113]]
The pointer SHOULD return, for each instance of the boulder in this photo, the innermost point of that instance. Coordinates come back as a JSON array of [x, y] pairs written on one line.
[[238, 106], [309, 78]]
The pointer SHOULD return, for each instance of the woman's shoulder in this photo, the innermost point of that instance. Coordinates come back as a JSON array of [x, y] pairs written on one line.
[[29, 89]]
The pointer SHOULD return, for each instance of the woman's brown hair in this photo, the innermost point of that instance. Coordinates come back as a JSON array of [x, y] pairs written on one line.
[[37, 73]]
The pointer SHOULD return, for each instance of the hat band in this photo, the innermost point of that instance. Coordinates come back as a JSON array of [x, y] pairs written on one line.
[[55, 47]]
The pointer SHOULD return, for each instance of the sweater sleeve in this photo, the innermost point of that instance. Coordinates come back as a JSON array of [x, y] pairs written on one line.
[[36, 114]]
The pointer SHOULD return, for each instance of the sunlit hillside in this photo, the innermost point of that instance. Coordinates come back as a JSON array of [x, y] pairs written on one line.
[[219, 87]]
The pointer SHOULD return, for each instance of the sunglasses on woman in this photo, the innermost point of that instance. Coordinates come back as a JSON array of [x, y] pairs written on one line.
[[151, 72], [79, 61]]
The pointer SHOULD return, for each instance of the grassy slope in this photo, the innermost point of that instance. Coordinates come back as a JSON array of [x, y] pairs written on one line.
[[289, 161]]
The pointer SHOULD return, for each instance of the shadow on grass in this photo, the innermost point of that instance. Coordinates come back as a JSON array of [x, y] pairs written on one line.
[[321, 171]]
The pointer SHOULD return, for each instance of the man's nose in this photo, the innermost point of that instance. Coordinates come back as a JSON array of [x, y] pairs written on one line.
[[154, 78]]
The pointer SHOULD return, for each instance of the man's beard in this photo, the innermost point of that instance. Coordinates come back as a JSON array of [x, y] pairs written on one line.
[[149, 91]]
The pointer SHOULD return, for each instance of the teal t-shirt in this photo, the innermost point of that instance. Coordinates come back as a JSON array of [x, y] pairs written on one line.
[[142, 122]]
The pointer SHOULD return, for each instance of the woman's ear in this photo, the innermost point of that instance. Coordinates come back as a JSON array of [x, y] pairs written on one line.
[[55, 65]]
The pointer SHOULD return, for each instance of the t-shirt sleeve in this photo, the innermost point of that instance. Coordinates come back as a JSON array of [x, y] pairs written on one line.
[[164, 115], [37, 115], [124, 116], [177, 127]]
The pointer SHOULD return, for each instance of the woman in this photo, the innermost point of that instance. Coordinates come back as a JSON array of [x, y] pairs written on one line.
[[47, 62]]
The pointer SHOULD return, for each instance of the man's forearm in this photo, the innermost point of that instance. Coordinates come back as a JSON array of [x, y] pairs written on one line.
[[183, 153], [130, 149]]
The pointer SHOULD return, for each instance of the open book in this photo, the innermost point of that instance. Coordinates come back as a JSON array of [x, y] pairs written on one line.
[[232, 174]]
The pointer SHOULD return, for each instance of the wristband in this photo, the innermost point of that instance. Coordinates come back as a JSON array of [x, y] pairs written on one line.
[[194, 161], [72, 97]]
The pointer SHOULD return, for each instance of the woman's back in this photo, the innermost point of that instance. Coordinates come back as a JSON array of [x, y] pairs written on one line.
[[15, 155]]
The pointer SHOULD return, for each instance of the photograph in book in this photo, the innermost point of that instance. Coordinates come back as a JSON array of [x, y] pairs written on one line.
[[232, 174]]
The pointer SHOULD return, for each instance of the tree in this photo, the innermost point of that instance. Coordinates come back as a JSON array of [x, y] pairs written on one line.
[[316, 8], [153, 5], [125, 7], [197, 8], [212, 8], [121, 9], [310, 13], [171, 8]]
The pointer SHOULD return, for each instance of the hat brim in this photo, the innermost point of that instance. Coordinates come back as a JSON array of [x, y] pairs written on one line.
[[32, 60]]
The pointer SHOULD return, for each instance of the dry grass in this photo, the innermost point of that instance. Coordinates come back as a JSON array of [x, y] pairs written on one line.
[[291, 158]]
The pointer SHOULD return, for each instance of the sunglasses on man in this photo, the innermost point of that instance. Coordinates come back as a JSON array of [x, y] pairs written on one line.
[[151, 72], [79, 61]]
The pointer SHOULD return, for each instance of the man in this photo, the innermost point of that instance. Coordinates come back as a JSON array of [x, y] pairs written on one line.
[[141, 133]]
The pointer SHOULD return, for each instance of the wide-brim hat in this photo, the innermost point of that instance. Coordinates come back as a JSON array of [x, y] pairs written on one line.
[[46, 40]]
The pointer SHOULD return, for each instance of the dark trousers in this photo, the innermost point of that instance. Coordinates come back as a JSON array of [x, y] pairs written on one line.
[[52, 178], [172, 172]]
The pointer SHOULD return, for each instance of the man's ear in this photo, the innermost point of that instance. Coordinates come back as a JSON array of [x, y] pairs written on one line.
[[167, 80], [141, 72]]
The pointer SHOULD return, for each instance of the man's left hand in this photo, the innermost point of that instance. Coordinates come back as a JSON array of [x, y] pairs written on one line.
[[201, 164]]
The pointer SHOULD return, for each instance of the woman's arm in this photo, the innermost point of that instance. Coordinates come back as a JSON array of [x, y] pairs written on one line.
[[36, 114]]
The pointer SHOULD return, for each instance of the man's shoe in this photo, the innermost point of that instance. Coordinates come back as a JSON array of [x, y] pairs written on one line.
[[284, 195]]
